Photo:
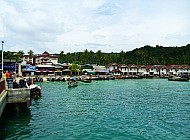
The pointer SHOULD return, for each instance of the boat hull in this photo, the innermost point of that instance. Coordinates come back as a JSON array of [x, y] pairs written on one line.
[[186, 79], [72, 84]]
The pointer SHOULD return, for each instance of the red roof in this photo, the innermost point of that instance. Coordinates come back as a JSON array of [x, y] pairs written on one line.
[[116, 70], [45, 53]]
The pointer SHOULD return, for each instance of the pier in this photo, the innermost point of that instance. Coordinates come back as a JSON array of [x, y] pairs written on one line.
[[13, 96]]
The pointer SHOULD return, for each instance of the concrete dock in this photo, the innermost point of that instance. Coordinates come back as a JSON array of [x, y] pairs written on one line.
[[13, 96]]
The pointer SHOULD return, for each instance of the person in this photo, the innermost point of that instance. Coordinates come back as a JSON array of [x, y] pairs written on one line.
[[4, 76], [23, 83], [15, 84], [8, 75], [14, 76]]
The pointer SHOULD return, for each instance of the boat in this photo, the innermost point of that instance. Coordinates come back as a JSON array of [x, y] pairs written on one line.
[[179, 78], [86, 80], [72, 82], [35, 91]]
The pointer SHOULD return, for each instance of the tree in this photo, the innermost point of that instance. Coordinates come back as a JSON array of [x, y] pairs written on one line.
[[92, 60], [30, 53], [143, 56], [74, 68], [86, 56], [122, 56], [99, 56], [61, 57], [20, 53]]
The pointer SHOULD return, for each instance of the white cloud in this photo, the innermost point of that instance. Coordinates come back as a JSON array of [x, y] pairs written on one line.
[[107, 25]]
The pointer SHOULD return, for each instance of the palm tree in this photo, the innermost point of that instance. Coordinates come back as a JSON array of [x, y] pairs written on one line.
[[30, 53], [20, 53], [99, 55], [122, 56], [86, 56], [74, 68], [61, 57], [91, 58]]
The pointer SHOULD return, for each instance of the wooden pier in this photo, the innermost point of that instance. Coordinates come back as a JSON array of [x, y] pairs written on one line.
[[13, 96]]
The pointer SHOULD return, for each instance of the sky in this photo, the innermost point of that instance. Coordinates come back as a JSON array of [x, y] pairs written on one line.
[[106, 25]]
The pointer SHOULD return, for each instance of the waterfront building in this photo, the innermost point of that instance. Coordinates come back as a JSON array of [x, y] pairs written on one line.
[[116, 72], [162, 70], [27, 59], [147, 70], [12, 66], [172, 70], [58, 69], [45, 59], [114, 69], [152, 70], [66, 70], [44, 70], [183, 69], [142, 71], [100, 70], [111, 66], [87, 69], [133, 69], [124, 69]]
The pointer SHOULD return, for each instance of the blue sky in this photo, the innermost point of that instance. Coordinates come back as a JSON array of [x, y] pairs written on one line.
[[106, 25]]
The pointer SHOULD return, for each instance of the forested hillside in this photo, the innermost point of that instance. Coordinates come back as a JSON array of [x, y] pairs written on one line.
[[142, 56]]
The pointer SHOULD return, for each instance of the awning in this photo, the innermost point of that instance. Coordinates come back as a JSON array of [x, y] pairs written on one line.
[[89, 72], [66, 70], [44, 71], [58, 70]]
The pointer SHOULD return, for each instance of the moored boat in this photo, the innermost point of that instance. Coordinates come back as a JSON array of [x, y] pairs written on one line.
[[72, 82], [35, 91], [184, 78], [86, 80]]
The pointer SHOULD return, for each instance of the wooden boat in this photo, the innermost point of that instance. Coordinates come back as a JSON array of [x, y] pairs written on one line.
[[179, 78], [72, 82], [86, 80], [35, 91]]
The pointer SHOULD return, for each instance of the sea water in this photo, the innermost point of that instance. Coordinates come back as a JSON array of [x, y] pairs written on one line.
[[140, 109]]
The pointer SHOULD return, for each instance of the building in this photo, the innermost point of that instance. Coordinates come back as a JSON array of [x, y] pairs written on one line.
[[44, 69], [27, 59], [148, 70], [45, 59]]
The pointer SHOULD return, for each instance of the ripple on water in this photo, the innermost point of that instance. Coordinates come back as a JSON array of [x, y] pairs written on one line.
[[118, 109]]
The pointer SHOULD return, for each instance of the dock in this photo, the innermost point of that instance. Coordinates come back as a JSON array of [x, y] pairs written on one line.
[[13, 96]]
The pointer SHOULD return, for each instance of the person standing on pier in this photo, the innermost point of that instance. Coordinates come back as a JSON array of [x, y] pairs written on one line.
[[8, 75], [14, 76], [4, 76]]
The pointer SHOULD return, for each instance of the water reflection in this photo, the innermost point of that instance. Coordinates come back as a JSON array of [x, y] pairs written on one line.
[[15, 122]]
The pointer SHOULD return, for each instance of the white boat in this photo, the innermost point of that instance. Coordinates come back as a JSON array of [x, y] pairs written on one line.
[[72, 82], [178, 78]]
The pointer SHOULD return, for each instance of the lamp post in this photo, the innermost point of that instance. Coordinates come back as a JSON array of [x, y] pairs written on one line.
[[2, 59]]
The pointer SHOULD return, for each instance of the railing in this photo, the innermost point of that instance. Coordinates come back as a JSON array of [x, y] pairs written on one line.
[[2, 85]]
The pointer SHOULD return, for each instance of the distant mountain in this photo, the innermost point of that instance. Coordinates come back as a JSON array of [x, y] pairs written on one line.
[[160, 55]]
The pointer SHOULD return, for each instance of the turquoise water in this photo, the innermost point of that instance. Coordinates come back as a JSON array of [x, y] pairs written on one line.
[[139, 109]]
